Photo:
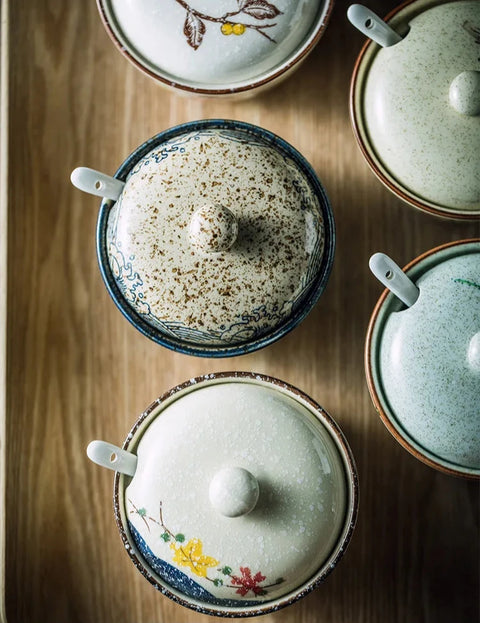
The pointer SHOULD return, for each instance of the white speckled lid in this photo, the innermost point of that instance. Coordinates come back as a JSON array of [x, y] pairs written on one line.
[[218, 237], [242, 492], [422, 103], [222, 45], [426, 363]]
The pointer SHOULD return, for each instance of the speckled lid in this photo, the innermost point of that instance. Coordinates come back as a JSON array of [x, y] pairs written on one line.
[[421, 104], [224, 45], [243, 491], [219, 236], [426, 359]]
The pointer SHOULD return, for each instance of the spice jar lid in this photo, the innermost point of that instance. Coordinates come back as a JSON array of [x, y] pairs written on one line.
[[229, 45], [426, 359], [221, 238], [243, 491], [421, 105]]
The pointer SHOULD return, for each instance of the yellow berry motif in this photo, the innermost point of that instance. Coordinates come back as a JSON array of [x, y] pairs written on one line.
[[227, 28], [238, 29]]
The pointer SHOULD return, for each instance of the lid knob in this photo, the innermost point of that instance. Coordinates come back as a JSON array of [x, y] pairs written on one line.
[[213, 229], [473, 353], [233, 491], [464, 93]]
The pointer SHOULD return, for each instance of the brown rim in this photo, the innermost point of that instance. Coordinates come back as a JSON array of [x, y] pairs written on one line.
[[396, 188], [231, 91], [369, 373], [337, 551]]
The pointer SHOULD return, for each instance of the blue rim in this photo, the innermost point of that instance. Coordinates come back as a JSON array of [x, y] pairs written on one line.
[[282, 329]]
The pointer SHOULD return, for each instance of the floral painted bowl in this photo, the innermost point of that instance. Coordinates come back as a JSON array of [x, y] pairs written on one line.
[[218, 238], [423, 361], [415, 104], [235, 494], [220, 48]]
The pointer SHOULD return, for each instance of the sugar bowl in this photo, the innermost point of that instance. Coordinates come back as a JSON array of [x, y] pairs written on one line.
[[222, 48], [415, 103], [235, 493], [422, 355], [214, 238]]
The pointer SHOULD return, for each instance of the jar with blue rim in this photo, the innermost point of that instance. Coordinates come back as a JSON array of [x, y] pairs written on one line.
[[214, 238]]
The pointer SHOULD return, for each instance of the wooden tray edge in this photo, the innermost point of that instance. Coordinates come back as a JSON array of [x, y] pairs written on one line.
[[4, 12]]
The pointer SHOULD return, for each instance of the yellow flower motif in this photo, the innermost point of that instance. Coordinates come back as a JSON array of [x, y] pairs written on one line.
[[190, 555]]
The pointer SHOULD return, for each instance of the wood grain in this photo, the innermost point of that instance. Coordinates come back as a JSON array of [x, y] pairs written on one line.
[[76, 370], [4, 47]]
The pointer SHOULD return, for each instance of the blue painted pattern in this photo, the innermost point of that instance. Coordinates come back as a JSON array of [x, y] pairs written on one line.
[[178, 580]]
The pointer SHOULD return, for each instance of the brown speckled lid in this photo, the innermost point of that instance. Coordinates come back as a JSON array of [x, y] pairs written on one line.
[[218, 236], [420, 105]]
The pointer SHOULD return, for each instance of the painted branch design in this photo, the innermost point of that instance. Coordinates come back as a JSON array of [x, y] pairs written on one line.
[[472, 30], [231, 22]]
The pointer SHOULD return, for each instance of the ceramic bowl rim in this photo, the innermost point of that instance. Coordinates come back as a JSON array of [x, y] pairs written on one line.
[[386, 416], [351, 483], [310, 298], [360, 72], [297, 56]]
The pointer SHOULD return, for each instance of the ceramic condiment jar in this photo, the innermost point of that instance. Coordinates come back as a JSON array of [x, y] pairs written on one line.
[[415, 103], [217, 239], [220, 48], [235, 493], [422, 355]]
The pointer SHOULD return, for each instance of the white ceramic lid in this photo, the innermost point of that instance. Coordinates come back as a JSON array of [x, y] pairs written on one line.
[[243, 490], [421, 104], [227, 44], [427, 359], [218, 237]]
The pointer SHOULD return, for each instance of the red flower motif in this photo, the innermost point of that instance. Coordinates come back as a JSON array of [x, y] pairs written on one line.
[[247, 582]]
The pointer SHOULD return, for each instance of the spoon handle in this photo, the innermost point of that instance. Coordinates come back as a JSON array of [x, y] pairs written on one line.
[[96, 183], [393, 277], [110, 456], [372, 26]]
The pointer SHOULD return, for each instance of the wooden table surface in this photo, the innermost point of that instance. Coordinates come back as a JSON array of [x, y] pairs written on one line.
[[76, 370]]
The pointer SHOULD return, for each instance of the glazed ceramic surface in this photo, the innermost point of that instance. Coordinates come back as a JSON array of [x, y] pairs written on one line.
[[417, 106], [425, 359], [244, 494], [225, 46], [221, 240]]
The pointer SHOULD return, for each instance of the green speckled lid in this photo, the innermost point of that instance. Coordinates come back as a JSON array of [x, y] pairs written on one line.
[[426, 359], [421, 104]]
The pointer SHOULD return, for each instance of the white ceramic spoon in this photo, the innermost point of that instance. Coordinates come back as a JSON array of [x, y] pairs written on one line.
[[393, 277], [372, 26], [96, 183]]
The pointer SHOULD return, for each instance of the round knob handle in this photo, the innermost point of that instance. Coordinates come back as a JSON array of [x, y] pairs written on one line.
[[465, 93], [213, 229], [234, 491], [473, 354]]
